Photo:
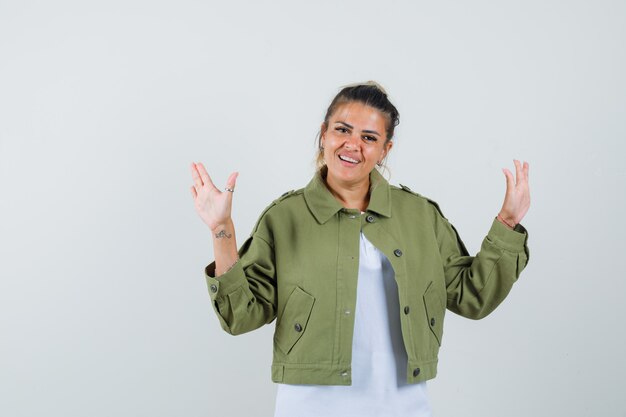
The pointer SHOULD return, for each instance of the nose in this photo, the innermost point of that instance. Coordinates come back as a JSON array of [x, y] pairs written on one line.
[[352, 141]]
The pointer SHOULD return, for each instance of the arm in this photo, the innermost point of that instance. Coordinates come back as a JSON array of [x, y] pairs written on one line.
[[475, 286], [224, 246], [244, 297], [214, 208], [241, 283]]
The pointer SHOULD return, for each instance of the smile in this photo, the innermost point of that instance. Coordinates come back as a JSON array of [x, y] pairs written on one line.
[[348, 159]]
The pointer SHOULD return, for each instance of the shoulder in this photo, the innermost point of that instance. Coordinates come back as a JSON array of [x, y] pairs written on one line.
[[404, 193], [289, 194], [286, 202], [434, 211]]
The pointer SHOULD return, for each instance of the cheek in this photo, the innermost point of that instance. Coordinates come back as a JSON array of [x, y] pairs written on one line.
[[373, 152], [331, 142]]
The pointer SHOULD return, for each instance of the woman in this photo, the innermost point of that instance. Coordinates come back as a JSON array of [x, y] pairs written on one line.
[[358, 273]]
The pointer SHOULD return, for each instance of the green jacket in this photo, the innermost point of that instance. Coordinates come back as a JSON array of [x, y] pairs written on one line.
[[300, 267]]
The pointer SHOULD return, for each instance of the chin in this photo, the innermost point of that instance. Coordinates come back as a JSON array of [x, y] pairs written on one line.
[[348, 175]]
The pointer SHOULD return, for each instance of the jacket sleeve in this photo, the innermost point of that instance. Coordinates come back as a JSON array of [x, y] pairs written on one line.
[[476, 285], [244, 297]]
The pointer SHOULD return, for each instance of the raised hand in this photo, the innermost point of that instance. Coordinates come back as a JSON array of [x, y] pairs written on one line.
[[517, 197], [213, 206]]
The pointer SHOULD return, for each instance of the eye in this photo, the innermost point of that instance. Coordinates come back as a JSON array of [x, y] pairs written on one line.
[[341, 129], [370, 138]]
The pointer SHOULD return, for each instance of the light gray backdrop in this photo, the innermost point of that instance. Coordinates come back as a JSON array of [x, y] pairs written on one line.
[[104, 309]]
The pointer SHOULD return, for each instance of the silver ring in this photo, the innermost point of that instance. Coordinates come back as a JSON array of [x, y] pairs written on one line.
[[229, 189]]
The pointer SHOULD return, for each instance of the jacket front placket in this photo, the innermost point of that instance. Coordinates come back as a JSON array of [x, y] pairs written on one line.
[[348, 233], [376, 232], [376, 224]]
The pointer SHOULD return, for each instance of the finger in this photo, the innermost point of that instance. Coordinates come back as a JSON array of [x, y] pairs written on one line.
[[205, 175], [510, 182], [230, 183], [196, 176], [526, 171], [232, 180], [518, 170]]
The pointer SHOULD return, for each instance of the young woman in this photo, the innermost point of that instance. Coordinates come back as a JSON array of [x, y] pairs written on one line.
[[358, 273]]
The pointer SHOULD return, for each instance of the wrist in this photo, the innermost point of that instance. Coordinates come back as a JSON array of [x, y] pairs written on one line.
[[508, 222], [232, 264], [226, 226]]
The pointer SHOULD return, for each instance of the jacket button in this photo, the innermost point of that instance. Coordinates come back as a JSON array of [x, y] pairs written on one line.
[[213, 288], [432, 321], [370, 218], [406, 310], [298, 327], [397, 252], [416, 371]]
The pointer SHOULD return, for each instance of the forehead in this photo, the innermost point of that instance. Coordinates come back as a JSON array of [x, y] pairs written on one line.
[[359, 115]]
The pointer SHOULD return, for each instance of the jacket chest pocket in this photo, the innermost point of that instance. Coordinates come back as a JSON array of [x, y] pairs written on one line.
[[294, 319], [434, 312]]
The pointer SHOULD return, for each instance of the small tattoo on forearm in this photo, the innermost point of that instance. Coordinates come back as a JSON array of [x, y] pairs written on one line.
[[222, 234]]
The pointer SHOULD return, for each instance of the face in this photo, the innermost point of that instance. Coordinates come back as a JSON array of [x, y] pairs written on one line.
[[354, 142]]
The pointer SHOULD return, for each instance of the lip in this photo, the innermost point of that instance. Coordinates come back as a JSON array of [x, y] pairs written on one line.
[[347, 164], [351, 157]]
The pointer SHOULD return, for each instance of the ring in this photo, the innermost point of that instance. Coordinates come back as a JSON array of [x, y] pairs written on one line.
[[229, 189]]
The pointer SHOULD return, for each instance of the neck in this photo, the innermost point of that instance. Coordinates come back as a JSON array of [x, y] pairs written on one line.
[[350, 195]]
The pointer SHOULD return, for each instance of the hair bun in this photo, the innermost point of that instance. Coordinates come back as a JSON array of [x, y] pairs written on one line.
[[371, 83]]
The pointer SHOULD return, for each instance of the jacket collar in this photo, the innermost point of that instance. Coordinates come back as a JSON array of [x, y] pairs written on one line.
[[324, 205]]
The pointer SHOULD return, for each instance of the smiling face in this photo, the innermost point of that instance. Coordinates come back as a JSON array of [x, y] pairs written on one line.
[[354, 142]]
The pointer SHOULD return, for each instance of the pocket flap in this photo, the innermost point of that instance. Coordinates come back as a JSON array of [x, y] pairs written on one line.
[[294, 319], [434, 312]]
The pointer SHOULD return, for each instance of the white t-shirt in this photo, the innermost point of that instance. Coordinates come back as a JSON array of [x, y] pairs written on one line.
[[379, 387]]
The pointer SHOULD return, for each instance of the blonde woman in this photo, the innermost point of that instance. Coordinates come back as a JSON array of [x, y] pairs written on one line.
[[358, 273]]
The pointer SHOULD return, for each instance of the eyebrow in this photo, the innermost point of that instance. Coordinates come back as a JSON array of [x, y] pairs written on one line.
[[365, 131]]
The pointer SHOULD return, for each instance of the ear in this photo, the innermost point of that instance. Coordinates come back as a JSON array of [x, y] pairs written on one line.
[[387, 148], [323, 133]]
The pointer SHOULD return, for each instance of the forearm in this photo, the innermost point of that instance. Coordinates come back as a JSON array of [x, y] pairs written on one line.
[[244, 295], [477, 285], [224, 247]]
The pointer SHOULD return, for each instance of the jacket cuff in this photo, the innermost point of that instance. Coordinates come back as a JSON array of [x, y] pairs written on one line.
[[511, 240], [226, 283]]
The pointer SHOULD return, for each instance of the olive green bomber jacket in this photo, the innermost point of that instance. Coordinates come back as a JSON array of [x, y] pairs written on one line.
[[300, 266]]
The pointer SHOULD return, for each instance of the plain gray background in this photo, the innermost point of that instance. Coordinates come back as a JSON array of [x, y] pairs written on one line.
[[104, 308]]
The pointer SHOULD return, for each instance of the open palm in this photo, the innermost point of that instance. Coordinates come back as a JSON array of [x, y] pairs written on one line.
[[213, 206]]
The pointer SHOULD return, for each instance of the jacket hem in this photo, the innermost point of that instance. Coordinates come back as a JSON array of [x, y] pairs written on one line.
[[342, 374]]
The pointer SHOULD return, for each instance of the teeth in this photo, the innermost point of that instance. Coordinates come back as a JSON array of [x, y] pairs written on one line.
[[345, 158]]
